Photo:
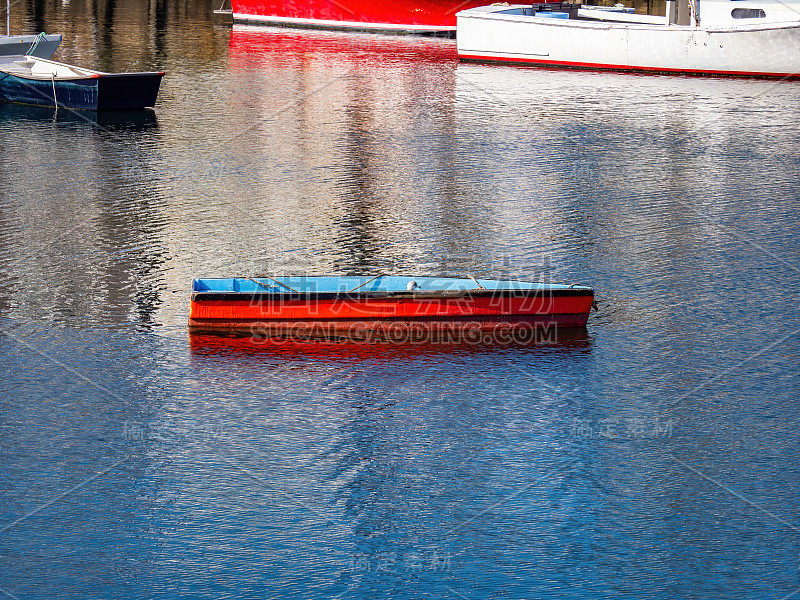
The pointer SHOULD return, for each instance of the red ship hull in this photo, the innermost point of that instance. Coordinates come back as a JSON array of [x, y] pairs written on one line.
[[417, 16], [477, 317]]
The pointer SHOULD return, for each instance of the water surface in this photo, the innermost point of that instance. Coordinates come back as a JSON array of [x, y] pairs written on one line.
[[653, 456]]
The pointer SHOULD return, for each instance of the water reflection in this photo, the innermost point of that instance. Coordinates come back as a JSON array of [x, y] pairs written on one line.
[[81, 211], [136, 120], [124, 35], [292, 48], [205, 347], [368, 123]]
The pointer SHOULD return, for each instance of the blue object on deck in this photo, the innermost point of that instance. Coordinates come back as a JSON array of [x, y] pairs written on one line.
[[552, 15]]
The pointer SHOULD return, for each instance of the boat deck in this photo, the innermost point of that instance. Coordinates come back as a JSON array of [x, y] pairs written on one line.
[[364, 284], [573, 12], [31, 67]]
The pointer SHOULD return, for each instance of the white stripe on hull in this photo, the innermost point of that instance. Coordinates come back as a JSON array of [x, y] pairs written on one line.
[[322, 23]]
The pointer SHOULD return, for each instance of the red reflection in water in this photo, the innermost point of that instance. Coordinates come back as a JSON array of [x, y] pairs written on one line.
[[291, 47], [205, 345]]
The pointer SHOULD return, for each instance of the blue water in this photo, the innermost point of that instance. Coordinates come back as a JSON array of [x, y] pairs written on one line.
[[653, 456]]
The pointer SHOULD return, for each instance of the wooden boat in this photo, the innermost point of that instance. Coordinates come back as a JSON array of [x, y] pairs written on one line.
[[30, 80], [41, 46], [402, 309], [742, 38]]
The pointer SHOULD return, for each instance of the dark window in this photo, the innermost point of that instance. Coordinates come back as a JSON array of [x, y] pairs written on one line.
[[748, 13]]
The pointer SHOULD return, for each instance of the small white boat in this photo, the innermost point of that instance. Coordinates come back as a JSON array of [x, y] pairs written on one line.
[[40, 46], [741, 38]]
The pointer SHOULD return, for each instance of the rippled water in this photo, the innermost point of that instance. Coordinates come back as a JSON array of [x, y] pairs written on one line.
[[653, 456]]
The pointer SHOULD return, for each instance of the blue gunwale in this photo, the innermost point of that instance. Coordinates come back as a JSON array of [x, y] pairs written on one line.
[[385, 285]]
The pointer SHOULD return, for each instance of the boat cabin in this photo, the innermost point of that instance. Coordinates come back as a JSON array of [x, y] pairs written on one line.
[[708, 13]]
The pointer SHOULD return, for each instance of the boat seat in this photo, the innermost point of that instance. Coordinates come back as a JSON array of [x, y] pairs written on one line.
[[43, 68]]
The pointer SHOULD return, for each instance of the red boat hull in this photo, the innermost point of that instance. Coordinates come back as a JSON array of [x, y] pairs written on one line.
[[476, 317], [421, 16]]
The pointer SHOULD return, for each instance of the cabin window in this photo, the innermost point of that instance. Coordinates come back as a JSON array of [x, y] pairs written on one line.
[[748, 13]]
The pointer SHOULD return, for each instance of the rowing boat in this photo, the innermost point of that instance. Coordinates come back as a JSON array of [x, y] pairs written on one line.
[[31, 80], [387, 308], [41, 46]]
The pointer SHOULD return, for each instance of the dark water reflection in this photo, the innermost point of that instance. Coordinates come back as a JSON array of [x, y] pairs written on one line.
[[654, 456], [137, 120]]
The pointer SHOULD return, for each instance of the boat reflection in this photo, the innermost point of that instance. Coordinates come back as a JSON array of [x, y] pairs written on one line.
[[287, 47], [208, 346], [134, 120]]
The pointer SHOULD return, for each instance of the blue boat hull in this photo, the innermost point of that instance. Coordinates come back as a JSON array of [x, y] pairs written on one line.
[[123, 91]]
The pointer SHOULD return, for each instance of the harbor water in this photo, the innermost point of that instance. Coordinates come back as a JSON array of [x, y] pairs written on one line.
[[655, 455]]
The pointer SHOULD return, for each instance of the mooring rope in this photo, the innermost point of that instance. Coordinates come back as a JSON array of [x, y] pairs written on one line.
[[35, 44], [365, 283], [262, 284], [55, 100], [476, 282]]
